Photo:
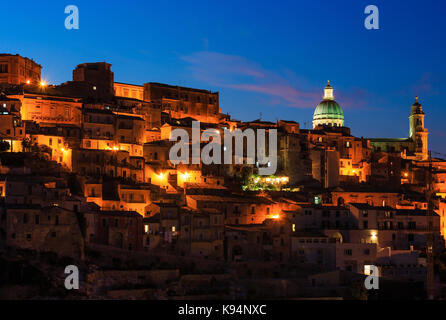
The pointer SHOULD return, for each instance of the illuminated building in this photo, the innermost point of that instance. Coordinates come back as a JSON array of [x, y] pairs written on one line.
[[238, 209], [417, 132], [57, 144], [49, 109], [177, 102], [337, 157], [293, 160], [189, 176], [129, 90], [15, 69], [181, 102]]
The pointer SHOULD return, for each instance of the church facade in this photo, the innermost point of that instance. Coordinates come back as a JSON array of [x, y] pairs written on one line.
[[415, 146]]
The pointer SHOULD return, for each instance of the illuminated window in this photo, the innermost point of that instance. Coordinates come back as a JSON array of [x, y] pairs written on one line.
[[367, 270]]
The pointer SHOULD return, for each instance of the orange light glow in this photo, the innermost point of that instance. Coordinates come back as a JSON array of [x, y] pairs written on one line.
[[28, 82], [276, 216], [185, 175], [161, 176], [42, 83]]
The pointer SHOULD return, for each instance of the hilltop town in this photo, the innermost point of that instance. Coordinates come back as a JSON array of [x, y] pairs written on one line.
[[86, 179]]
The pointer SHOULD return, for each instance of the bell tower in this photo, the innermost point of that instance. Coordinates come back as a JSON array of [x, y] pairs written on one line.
[[417, 132]]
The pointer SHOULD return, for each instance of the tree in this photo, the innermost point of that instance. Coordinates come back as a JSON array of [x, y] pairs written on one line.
[[4, 146]]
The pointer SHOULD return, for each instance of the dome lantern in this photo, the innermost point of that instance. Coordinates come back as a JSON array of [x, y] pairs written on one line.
[[328, 92]]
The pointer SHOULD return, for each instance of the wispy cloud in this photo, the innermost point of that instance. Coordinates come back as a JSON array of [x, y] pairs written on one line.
[[236, 72]]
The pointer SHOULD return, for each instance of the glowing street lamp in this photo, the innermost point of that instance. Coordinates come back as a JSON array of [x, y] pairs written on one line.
[[43, 84]]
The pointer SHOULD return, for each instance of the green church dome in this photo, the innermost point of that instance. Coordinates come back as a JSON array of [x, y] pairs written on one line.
[[328, 109], [328, 112]]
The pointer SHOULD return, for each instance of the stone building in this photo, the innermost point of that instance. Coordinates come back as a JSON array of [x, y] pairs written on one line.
[[120, 229], [91, 81], [46, 229], [15, 69], [46, 108], [181, 102], [202, 233]]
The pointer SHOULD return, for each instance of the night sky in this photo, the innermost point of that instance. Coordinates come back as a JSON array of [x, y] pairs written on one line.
[[268, 57]]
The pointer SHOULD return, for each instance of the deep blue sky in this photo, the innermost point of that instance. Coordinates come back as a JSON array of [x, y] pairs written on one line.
[[269, 57]]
